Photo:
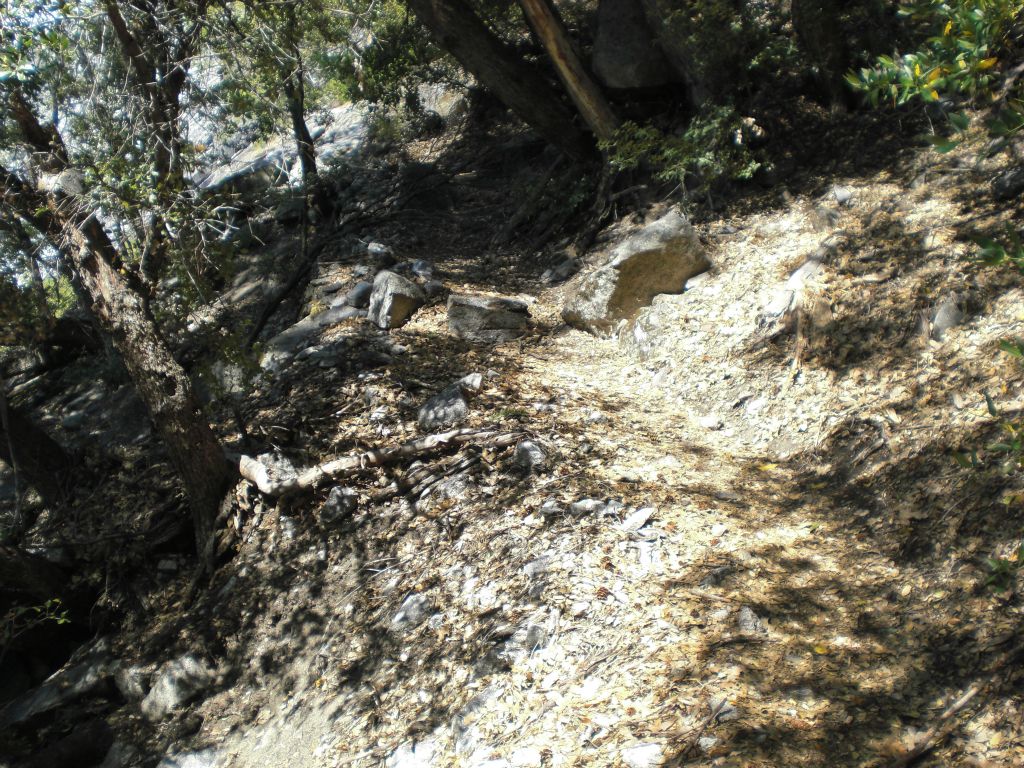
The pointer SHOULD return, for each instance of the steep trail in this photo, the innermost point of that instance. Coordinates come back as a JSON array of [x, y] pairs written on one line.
[[778, 565]]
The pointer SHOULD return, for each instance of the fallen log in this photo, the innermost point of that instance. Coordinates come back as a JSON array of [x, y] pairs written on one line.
[[276, 483]]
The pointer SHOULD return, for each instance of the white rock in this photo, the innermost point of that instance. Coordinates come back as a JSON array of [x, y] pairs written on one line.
[[645, 755], [412, 755], [527, 757]]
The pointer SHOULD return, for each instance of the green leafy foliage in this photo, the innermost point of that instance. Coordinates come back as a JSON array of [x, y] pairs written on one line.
[[959, 58], [712, 147], [20, 619]]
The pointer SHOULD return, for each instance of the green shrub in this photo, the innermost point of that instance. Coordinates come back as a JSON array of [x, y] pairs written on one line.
[[714, 146], [959, 59]]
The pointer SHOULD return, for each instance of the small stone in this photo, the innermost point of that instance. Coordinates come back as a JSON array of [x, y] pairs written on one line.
[[947, 315], [422, 269], [529, 456], [638, 519], [413, 612], [843, 195], [539, 566], [177, 682], [359, 295], [725, 709], [486, 318], [707, 743], [711, 422], [646, 755], [587, 507], [341, 504], [1009, 184], [748, 621]]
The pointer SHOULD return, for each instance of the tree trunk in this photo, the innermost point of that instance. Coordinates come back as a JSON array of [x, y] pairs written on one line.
[[816, 23], [521, 87], [585, 93], [33, 454], [295, 95], [161, 382]]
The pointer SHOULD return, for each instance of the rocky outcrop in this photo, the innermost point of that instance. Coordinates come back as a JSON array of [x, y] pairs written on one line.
[[626, 54], [394, 300], [658, 259], [487, 319]]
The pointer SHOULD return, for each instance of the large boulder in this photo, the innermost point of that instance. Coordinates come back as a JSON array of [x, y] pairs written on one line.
[[626, 54], [660, 258], [488, 319], [394, 300]]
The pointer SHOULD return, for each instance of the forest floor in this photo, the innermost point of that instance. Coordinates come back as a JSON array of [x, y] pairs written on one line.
[[781, 564]]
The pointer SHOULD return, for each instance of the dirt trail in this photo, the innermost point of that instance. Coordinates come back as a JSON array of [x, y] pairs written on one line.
[[798, 581]]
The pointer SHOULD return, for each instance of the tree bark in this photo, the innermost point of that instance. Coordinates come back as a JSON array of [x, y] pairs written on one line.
[[162, 78], [33, 454], [585, 93], [295, 96], [521, 87], [161, 382]]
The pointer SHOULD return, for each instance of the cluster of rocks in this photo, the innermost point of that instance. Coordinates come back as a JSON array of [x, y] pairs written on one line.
[[388, 294]]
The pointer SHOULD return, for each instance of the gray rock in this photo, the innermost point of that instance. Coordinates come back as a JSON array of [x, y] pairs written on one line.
[[707, 743], [433, 288], [660, 258], [748, 621], [529, 456], [1009, 184], [132, 682], [596, 507], [176, 683], [394, 300], [487, 319], [204, 758], [359, 295], [422, 269], [726, 710], [413, 612], [561, 271], [946, 315], [646, 755], [63, 686], [626, 54], [280, 350], [843, 195], [449, 406], [341, 504], [120, 755]]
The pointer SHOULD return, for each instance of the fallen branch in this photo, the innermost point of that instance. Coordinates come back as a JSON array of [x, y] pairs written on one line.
[[271, 485], [946, 722]]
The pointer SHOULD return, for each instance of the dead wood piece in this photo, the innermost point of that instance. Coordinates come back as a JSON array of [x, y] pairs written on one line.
[[946, 722], [255, 472]]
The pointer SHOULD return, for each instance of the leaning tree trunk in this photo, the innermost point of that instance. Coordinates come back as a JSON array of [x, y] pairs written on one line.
[[32, 454], [162, 383], [520, 86], [585, 93], [295, 96]]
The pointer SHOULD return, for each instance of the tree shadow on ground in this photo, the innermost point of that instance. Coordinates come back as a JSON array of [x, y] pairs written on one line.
[[879, 633]]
